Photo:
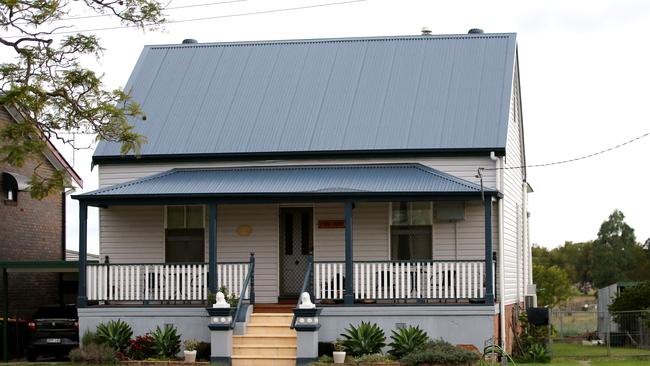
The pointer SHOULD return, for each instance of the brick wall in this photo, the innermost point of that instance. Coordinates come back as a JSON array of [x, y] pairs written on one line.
[[30, 230]]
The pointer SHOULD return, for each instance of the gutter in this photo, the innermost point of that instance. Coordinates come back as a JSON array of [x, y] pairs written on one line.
[[502, 307]]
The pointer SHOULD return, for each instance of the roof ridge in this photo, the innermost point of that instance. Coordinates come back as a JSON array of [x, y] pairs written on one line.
[[414, 37]]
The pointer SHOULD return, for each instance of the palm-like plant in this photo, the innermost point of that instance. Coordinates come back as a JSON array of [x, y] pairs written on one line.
[[115, 334], [406, 340], [365, 339], [166, 341]]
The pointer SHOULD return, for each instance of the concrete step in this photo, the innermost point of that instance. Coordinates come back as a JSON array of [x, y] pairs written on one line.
[[263, 361], [264, 351], [269, 329], [271, 318], [264, 340]]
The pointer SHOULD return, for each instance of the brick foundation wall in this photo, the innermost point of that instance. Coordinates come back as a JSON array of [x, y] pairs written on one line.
[[512, 325], [30, 230]]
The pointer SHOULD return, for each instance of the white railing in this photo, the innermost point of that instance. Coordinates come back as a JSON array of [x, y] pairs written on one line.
[[160, 282], [392, 280]]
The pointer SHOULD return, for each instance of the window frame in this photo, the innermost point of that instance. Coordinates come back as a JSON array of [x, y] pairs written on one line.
[[164, 230], [390, 224]]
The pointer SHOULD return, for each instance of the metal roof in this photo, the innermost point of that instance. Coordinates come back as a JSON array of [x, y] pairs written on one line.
[[313, 180], [416, 93]]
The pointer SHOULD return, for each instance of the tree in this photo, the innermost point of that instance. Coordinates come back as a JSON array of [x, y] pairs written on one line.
[[615, 251], [50, 88], [632, 298], [552, 285], [574, 258]]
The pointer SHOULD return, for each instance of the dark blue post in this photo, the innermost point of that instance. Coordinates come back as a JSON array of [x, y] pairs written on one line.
[[5, 315], [251, 295], [212, 252], [82, 299], [489, 276], [348, 297]]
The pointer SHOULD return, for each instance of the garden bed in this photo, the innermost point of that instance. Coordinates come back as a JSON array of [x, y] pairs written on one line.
[[163, 363]]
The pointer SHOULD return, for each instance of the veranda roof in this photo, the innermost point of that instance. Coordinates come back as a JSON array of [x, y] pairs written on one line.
[[317, 182]]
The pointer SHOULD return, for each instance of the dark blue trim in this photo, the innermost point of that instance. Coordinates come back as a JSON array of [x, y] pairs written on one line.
[[219, 326], [489, 276], [300, 361], [212, 243], [82, 299], [295, 155], [226, 361], [348, 296]]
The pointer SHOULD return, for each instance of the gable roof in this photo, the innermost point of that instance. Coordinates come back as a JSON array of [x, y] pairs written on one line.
[[311, 181], [52, 154], [352, 95]]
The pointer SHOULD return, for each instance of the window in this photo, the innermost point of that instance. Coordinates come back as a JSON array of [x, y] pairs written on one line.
[[411, 231], [184, 234]]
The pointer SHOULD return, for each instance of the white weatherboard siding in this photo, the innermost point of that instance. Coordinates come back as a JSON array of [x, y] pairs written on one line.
[[263, 240], [515, 243], [132, 234], [461, 167]]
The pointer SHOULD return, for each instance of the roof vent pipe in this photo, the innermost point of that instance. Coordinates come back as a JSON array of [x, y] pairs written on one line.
[[475, 31], [190, 41], [426, 31]]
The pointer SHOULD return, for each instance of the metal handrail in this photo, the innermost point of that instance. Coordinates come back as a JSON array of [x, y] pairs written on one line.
[[250, 279], [305, 284]]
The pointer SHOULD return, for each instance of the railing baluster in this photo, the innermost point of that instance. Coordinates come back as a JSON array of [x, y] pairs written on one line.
[[480, 279]]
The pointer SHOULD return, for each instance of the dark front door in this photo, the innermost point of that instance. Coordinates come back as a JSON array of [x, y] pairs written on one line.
[[296, 244]]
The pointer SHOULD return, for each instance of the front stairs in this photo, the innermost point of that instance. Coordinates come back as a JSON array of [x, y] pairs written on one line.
[[269, 340]]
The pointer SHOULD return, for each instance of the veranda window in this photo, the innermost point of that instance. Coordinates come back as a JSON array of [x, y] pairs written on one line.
[[184, 234], [411, 231]]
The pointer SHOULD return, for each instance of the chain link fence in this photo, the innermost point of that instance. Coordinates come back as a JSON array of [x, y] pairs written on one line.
[[585, 334]]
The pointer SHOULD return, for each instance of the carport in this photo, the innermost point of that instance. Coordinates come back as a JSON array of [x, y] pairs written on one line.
[[22, 267]]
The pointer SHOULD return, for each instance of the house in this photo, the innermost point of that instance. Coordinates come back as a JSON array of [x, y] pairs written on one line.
[[31, 229], [383, 175]]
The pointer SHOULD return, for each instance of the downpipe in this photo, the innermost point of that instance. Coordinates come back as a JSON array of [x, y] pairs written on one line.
[[502, 307]]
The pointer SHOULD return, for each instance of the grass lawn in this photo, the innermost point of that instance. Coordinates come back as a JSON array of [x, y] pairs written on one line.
[[561, 350]]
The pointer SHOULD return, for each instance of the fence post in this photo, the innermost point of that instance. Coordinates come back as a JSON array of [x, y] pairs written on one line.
[[550, 331], [608, 319]]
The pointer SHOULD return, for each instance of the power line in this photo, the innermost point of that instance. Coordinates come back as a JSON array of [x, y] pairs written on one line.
[[166, 8], [574, 159], [206, 18]]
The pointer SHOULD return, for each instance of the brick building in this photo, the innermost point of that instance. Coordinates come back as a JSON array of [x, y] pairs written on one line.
[[31, 229]]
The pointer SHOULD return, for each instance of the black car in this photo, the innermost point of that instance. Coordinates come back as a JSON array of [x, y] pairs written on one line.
[[54, 331]]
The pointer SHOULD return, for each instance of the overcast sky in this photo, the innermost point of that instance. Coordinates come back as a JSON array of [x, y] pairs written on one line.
[[584, 76]]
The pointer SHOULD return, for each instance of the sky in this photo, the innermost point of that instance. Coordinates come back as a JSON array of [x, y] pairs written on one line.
[[584, 75]]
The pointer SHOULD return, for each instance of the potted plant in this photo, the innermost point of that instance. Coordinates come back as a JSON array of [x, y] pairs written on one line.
[[339, 352], [190, 345]]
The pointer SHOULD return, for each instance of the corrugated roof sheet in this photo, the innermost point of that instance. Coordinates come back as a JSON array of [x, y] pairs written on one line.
[[315, 179], [353, 94]]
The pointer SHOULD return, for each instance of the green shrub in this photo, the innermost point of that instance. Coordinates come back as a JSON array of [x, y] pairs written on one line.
[[406, 340], [89, 338], [535, 353], [376, 357], [191, 344], [115, 334], [365, 339], [166, 342], [93, 353], [439, 352], [532, 341]]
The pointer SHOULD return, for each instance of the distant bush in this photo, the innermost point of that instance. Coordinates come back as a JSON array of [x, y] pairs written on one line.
[[439, 352], [93, 354]]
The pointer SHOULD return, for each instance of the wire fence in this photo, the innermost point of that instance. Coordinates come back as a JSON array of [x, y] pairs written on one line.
[[584, 334]]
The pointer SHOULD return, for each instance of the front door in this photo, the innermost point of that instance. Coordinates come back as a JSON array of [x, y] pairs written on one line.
[[296, 244]]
